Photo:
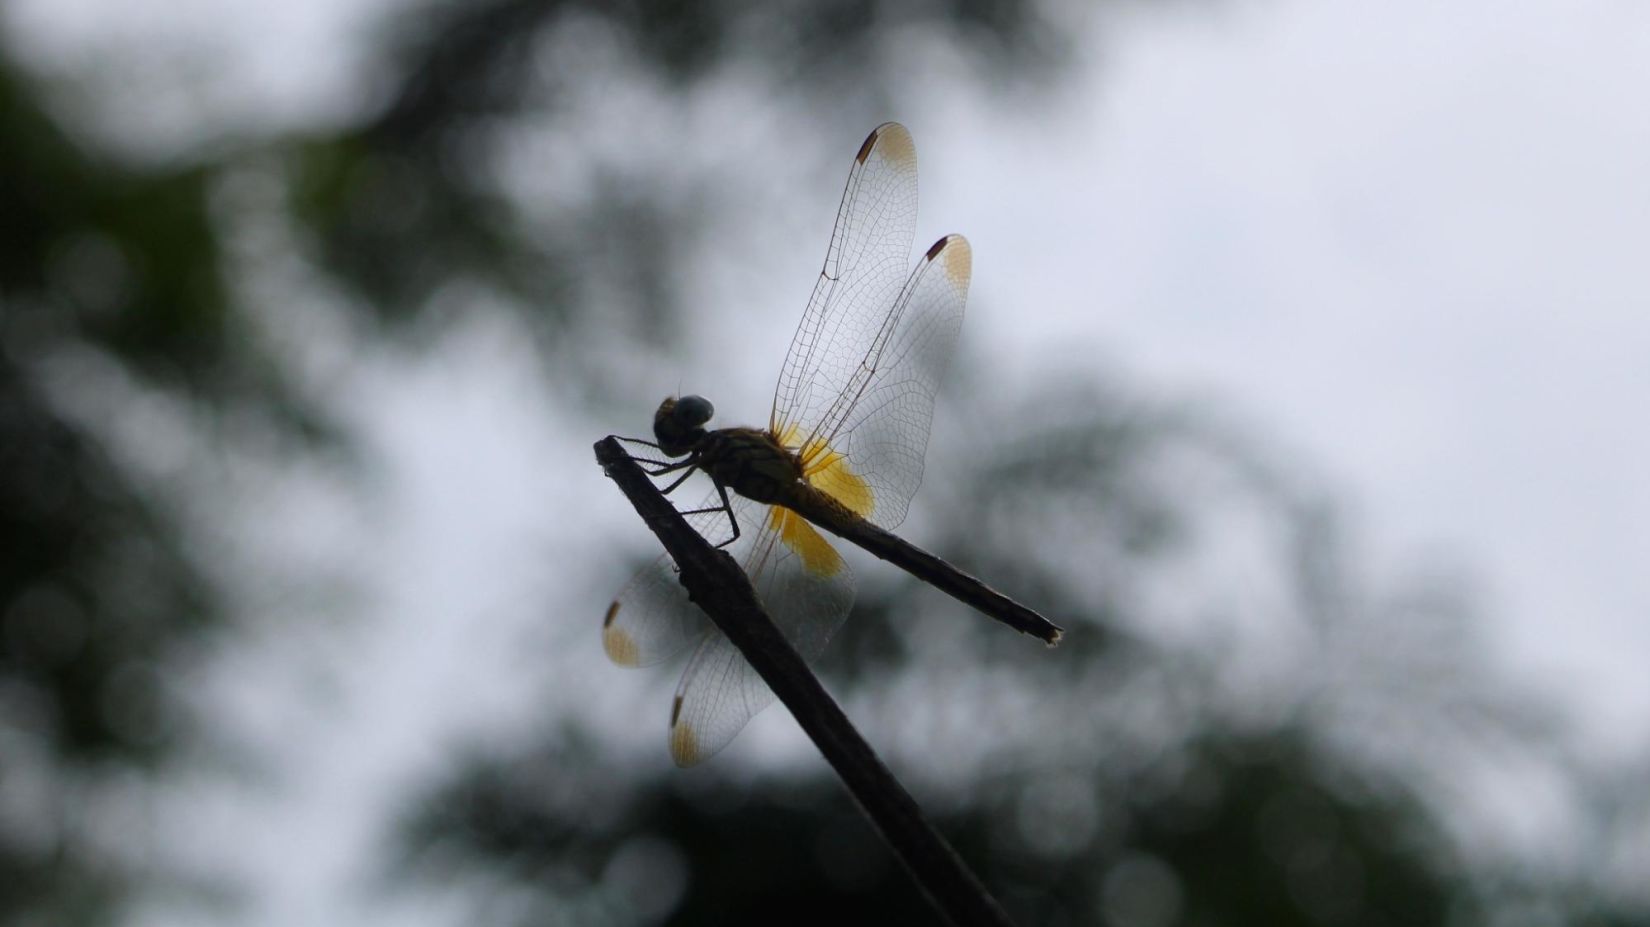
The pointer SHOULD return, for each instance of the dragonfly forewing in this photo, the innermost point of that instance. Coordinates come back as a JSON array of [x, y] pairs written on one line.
[[867, 262]]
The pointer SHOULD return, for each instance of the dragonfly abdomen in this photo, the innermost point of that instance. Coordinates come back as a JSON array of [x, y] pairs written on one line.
[[829, 513]]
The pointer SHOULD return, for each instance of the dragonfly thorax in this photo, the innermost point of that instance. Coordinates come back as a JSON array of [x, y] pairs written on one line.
[[679, 424], [751, 462]]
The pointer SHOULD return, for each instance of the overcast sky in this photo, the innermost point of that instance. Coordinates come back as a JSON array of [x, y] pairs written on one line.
[[1409, 239], [1406, 241]]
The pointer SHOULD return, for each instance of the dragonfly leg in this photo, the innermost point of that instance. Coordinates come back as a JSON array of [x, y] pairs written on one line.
[[650, 466], [726, 507], [690, 464]]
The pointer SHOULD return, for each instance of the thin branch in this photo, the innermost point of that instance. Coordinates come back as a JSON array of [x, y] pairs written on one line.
[[722, 589]]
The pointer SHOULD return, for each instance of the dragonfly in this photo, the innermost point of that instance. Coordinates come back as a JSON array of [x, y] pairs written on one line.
[[843, 450]]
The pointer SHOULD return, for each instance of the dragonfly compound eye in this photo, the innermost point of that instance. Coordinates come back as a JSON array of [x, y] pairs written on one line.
[[679, 424], [694, 411]]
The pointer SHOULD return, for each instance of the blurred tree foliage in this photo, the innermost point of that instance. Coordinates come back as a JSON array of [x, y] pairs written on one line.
[[1146, 788], [97, 591]]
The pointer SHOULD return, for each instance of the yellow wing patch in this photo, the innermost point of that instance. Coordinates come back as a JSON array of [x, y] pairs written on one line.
[[684, 745], [894, 142], [818, 556], [827, 471], [620, 647], [959, 260]]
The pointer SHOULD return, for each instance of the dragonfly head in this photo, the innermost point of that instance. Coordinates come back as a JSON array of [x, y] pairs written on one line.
[[679, 424]]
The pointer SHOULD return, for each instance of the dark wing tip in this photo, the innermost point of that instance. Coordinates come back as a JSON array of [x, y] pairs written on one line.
[[896, 146], [870, 142]]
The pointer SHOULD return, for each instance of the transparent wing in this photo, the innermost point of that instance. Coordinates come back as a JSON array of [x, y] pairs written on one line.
[[867, 261], [652, 619], [806, 588], [867, 448]]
